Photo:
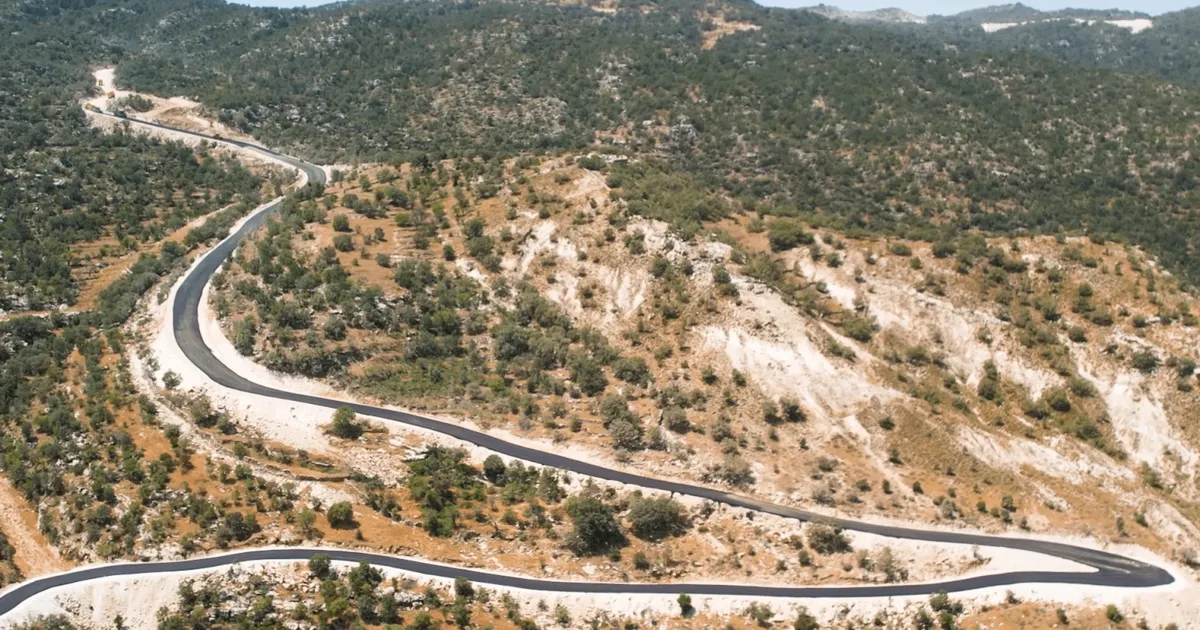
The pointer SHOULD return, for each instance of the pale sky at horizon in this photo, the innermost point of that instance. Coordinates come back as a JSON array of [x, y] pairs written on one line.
[[919, 7]]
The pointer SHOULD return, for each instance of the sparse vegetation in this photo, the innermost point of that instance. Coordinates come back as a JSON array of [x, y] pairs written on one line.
[[827, 540]]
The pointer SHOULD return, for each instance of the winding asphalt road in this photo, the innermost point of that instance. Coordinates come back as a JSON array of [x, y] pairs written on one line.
[[1109, 569]]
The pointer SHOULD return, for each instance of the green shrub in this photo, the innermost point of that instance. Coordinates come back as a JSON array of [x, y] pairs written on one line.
[[494, 468], [657, 518], [859, 328], [340, 515], [595, 527], [1145, 361], [632, 370], [345, 424], [343, 243], [675, 419], [827, 540], [319, 565], [785, 234], [805, 621]]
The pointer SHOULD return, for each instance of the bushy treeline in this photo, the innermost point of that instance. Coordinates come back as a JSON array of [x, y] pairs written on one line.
[[64, 183], [1169, 49], [870, 129]]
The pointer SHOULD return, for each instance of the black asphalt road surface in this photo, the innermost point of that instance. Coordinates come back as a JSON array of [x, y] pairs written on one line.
[[1109, 569]]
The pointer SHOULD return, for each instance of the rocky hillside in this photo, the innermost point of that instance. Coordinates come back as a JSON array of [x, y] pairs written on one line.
[[1036, 383]]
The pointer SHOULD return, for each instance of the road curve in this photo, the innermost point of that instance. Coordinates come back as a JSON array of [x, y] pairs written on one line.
[[22, 592], [1109, 569]]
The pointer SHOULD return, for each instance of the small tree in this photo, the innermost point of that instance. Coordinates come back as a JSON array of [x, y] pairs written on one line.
[[685, 604], [335, 328], [785, 234], [587, 375], [319, 564], [805, 621], [923, 620], [761, 614], [423, 621], [676, 420], [305, 520], [340, 515], [626, 435], [464, 588], [1145, 361], [658, 518], [460, 612], [596, 529], [343, 243], [345, 424], [827, 540], [202, 411], [632, 370], [494, 468], [940, 602]]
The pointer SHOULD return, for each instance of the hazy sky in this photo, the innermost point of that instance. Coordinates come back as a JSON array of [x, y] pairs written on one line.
[[920, 7]]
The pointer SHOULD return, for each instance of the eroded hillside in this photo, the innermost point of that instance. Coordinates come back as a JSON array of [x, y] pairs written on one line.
[[1039, 384]]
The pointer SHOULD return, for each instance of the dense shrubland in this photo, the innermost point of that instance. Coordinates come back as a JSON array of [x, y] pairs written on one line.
[[66, 184], [71, 414], [1169, 49], [884, 131]]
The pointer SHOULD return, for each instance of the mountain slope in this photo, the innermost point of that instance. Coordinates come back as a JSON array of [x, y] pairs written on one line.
[[887, 16], [837, 265], [1170, 48], [791, 113]]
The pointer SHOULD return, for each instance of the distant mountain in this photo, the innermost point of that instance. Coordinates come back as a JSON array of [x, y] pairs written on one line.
[[998, 13], [1167, 46], [1021, 13], [1006, 14], [890, 15]]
